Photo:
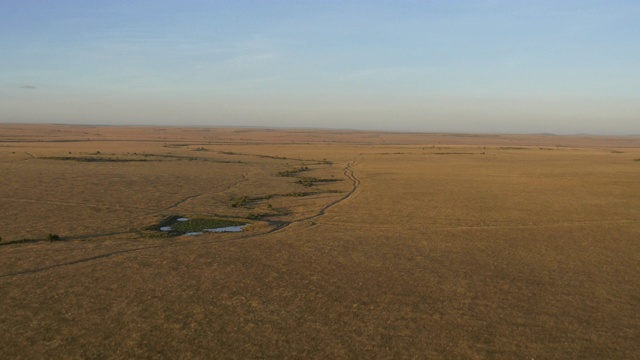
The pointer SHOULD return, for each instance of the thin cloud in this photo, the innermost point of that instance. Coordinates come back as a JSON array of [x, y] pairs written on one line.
[[29, 87]]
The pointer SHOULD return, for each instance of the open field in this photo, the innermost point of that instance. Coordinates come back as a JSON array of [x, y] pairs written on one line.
[[360, 244]]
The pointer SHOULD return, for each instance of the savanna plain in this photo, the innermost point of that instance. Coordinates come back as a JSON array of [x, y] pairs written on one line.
[[356, 244]]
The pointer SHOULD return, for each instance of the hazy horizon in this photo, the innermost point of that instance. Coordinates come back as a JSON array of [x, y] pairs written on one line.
[[407, 66]]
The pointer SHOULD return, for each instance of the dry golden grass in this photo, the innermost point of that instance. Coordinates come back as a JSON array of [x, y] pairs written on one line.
[[449, 246]]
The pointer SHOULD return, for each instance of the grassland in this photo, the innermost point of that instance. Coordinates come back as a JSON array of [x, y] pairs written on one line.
[[396, 245]]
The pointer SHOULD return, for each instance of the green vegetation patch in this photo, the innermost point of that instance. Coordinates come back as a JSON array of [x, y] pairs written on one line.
[[294, 172], [300, 194], [275, 212], [243, 201], [310, 181], [195, 225], [177, 225], [247, 200], [453, 153], [93, 159], [53, 237], [276, 157]]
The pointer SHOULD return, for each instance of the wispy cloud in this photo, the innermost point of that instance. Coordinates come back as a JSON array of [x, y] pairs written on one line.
[[29, 87], [142, 46], [248, 60]]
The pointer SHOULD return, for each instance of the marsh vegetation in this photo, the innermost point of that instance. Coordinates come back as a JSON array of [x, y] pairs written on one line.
[[179, 225]]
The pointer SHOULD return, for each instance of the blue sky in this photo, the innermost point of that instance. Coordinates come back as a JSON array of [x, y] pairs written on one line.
[[455, 66]]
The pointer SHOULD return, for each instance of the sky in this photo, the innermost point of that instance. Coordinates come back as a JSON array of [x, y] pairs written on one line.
[[562, 67]]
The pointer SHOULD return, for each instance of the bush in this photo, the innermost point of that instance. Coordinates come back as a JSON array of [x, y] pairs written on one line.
[[241, 201], [53, 237], [294, 172], [299, 194], [305, 181], [254, 216]]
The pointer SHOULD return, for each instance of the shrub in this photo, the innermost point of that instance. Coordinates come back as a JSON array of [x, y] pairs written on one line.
[[254, 216], [241, 201], [299, 194], [289, 173], [305, 181], [53, 237]]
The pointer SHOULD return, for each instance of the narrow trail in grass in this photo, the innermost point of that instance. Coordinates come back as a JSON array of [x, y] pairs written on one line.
[[182, 201], [79, 261], [74, 203], [31, 156], [244, 177]]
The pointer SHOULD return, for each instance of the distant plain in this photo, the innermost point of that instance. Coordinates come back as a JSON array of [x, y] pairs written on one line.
[[360, 244]]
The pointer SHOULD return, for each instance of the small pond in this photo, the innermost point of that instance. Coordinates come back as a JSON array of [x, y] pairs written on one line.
[[190, 227]]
